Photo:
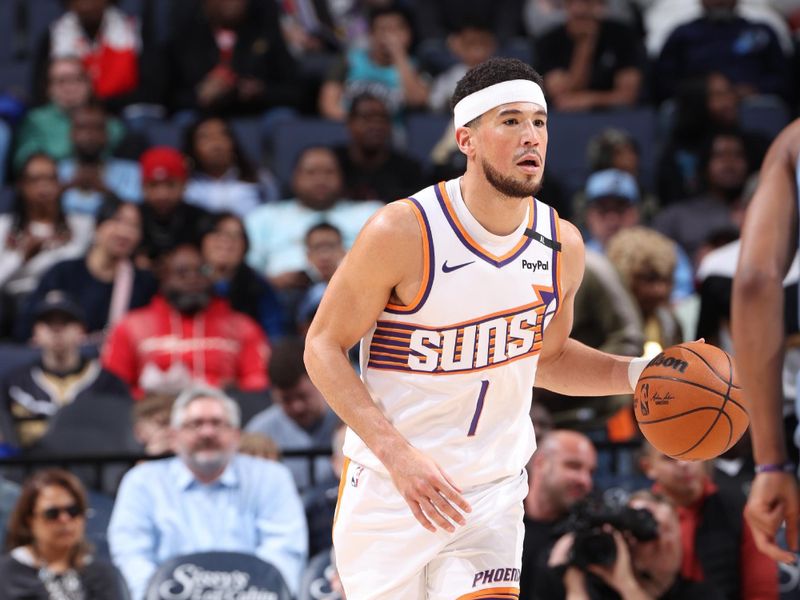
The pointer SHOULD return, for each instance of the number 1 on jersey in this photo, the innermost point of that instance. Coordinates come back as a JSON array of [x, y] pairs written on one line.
[[478, 408]]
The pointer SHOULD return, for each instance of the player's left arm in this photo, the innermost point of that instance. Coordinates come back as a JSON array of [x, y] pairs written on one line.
[[567, 366]]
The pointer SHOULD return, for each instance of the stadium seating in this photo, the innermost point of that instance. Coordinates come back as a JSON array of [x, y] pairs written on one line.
[[261, 579], [292, 137], [316, 582], [569, 133]]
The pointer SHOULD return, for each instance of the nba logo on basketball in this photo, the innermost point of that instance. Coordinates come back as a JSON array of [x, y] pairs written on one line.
[[643, 404]]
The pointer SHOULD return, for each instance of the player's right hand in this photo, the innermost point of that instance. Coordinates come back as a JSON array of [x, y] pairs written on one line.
[[774, 499], [433, 498]]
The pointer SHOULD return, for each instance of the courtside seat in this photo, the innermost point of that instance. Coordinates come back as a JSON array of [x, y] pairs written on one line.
[[217, 575], [316, 579]]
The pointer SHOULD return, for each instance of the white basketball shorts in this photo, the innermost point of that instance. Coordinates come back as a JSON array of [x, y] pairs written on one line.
[[383, 553]]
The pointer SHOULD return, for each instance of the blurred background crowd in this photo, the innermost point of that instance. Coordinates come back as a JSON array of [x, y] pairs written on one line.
[[180, 180]]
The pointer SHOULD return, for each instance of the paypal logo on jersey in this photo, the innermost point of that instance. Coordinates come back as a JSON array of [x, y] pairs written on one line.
[[477, 345], [536, 265]]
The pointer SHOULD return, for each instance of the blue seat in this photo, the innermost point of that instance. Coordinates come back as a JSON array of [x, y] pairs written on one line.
[[316, 579], [248, 134], [132, 7], [292, 137], [765, 114], [423, 132], [100, 508], [15, 355], [569, 134], [163, 133], [217, 575]]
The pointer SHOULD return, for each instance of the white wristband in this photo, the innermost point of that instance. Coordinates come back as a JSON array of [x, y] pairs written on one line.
[[635, 368]]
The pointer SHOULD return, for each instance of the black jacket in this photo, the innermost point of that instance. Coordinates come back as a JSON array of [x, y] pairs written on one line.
[[260, 52], [99, 579]]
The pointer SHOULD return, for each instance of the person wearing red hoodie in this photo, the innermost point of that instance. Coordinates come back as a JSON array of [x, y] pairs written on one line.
[[185, 336]]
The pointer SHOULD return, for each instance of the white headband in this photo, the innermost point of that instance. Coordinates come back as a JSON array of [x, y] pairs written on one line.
[[516, 90]]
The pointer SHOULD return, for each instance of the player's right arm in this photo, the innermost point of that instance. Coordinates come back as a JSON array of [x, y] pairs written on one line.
[[384, 264], [768, 244]]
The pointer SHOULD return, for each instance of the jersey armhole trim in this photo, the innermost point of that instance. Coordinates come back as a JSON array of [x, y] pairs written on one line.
[[555, 229], [428, 268]]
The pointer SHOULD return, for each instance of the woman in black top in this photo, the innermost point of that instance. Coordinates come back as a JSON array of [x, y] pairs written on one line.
[[49, 557]]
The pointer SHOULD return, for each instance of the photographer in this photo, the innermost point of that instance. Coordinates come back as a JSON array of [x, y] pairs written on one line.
[[641, 569], [560, 475]]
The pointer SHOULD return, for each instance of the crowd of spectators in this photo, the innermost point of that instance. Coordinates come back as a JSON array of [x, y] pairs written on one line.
[[154, 245]]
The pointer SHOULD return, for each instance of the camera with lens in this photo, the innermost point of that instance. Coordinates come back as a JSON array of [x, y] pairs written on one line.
[[593, 544]]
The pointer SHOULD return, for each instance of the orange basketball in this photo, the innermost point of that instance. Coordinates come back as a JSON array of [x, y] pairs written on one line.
[[688, 403]]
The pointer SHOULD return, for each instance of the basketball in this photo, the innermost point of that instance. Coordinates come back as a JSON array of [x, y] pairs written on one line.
[[688, 402]]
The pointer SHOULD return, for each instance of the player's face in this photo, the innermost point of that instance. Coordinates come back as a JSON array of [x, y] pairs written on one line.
[[510, 147]]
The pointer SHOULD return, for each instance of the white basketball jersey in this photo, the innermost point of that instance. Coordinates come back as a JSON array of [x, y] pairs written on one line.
[[454, 370]]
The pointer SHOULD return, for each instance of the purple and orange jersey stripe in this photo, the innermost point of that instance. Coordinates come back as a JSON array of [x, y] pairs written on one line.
[[555, 227], [391, 344]]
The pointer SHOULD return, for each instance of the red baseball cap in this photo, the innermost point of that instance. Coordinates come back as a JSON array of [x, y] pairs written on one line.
[[163, 162]]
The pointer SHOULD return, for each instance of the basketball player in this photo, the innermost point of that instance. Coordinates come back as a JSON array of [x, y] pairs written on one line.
[[768, 245], [462, 297]]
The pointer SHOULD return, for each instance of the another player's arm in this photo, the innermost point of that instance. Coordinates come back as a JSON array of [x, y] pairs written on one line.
[[385, 263], [769, 237], [567, 366]]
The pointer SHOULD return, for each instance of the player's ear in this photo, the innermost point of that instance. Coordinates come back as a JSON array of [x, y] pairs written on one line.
[[465, 140]]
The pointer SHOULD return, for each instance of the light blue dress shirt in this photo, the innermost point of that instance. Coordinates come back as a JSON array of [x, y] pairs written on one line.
[[122, 177], [277, 231], [162, 511], [284, 431]]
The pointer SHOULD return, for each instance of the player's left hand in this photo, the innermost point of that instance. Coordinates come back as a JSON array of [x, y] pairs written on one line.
[[433, 498]]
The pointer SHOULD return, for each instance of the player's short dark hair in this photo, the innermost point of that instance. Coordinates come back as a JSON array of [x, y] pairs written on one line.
[[491, 72]]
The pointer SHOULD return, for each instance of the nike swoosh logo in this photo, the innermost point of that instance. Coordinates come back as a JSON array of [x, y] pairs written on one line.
[[448, 269]]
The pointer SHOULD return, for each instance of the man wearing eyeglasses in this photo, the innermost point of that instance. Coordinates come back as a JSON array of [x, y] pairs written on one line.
[[206, 498]]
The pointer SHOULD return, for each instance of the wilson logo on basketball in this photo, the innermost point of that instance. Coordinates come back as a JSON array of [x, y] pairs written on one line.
[[668, 361]]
